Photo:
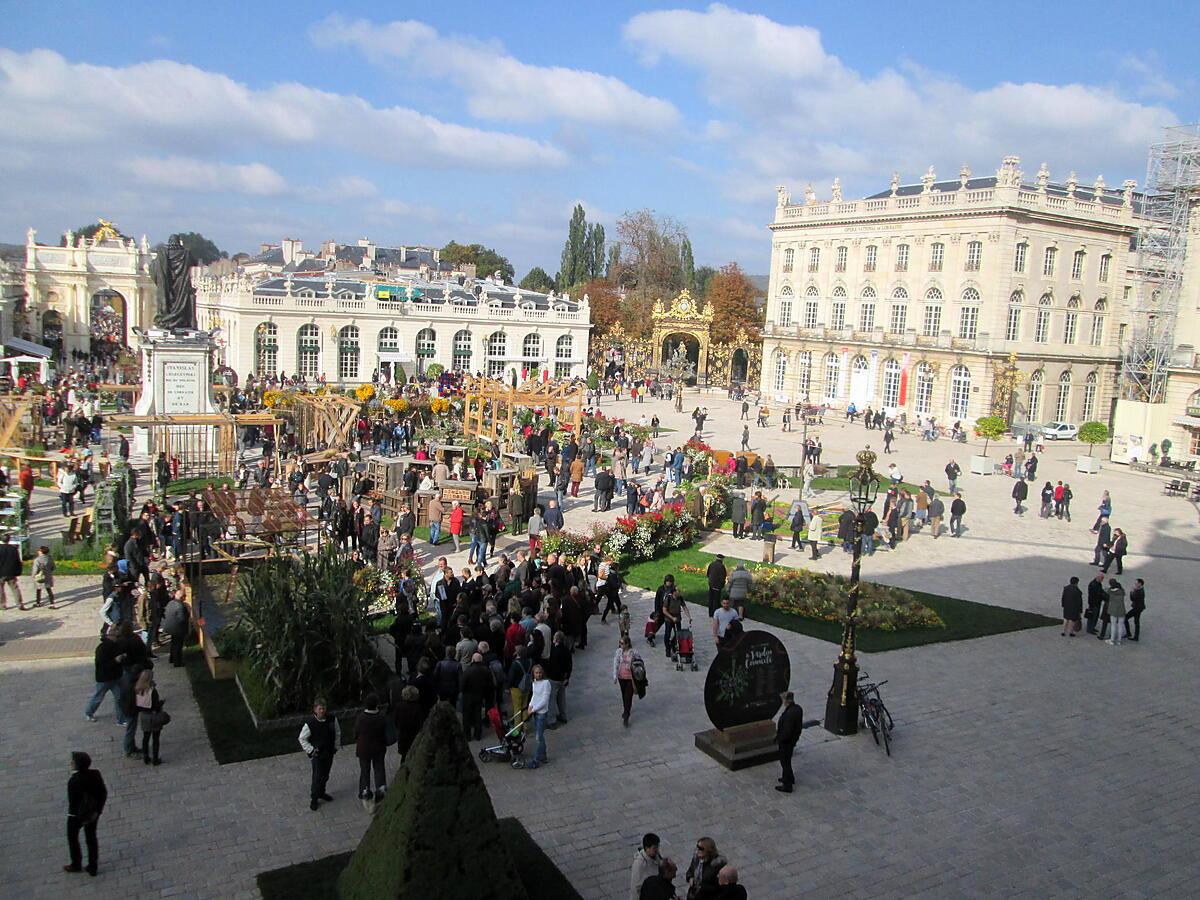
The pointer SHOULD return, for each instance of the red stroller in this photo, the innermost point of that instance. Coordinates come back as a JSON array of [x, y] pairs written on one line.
[[685, 648], [512, 740]]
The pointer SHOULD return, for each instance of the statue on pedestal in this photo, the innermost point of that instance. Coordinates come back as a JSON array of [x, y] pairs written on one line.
[[172, 274]]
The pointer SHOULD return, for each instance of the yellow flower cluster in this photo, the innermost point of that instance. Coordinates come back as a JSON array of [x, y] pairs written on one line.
[[396, 405], [439, 406], [364, 392], [272, 398]]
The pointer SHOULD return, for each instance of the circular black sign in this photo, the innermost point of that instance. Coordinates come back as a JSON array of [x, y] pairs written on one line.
[[745, 680]]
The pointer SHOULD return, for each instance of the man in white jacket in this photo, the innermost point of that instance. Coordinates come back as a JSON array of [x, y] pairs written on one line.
[[68, 483], [645, 864]]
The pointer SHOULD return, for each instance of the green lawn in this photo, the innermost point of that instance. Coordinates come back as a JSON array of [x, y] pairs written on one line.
[[964, 619], [185, 486], [231, 731], [842, 485]]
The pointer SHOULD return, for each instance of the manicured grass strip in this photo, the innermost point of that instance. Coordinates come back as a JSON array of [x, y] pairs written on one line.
[[199, 484], [231, 731], [964, 619], [317, 879]]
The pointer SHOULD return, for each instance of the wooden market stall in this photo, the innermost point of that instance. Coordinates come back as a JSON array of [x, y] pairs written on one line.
[[189, 437], [491, 406], [323, 421]]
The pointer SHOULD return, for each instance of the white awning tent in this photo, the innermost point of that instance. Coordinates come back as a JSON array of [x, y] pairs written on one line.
[[11, 366], [1188, 421]]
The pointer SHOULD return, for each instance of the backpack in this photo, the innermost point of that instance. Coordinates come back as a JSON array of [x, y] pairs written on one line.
[[638, 669]]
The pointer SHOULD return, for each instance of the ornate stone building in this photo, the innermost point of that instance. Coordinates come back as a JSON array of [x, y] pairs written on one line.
[[955, 298], [348, 328]]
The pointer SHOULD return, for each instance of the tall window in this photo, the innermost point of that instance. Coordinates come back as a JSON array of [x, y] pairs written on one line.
[[1089, 397], [811, 304], [781, 363], [902, 257], [1048, 261], [899, 317], [974, 256], [789, 256], [1012, 330], [814, 259], [960, 391], [388, 340], [1019, 258], [871, 258], [805, 373], [1064, 397], [833, 374], [497, 350], [1105, 265], [266, 348], [932, 324], [839, 264], [426, 344], [924, 399], [785, 307], [308, 351], [837, 318], [968, 321], [531, 347], [937, 255], [1041, 330], [348, 353], [1035, 395], [1071, 321], [1098, 324], [1077, 265], [462, 351], [564, 349], [891, 383], [866, 315]]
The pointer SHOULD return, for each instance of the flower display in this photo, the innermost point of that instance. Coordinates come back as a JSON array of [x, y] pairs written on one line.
[[817, 595], [630, 538], [395, 404], [364, 392], [439, 406]]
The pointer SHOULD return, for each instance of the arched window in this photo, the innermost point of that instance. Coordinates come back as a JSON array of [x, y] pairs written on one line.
[[859, 364], [1012, 330], [1041, 330], [932, 324], [974, 256], [531, 347], [308, 351], [968, 320], [497, 350], [891, 383], [837, 314], [388, 340], [426, 343], [789, 256], [1089, 397], [924, 399], [812, 300], [1019, 257], [1064, 397], [785, 307], [1077, 265], [266, 349], [1098, 323], [960, 391], [1071, 321], [866, 312], [1035, 395], [348, 353], [814, 259], [833, 374], [1105, 265], [805, 373], [1048, 261], [564, 349], [462, 351], [898, 320], [781, 367]]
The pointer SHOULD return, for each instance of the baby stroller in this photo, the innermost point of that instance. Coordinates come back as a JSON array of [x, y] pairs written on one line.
[[652, 625], [512, 740], [685, 648]]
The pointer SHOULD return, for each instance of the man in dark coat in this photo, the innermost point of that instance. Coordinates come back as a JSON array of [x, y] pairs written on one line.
[[958, 509], [845, 530], [477, 694], [320, 737], [369, 539], [1137, 605], [1096, 596], [662, 885], [1019, 492], [791, 723], [716, 582], [1072, 605], [737, 514], [1103, 540]]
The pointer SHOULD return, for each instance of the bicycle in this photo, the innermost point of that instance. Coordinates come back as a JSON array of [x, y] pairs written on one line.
[[873, 713]]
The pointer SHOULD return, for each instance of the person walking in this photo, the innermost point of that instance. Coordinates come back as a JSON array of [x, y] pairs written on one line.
[[624, 661], [936, 510], [175, 623], [1047, 501], [1137, 605], [456, 526], [1105, 508], [149, 713], [953, 470], [370, 746], [108, 665], [1019, 492], [1067, 496], [1114, 612], [791, 723], [538, 709], [1095, 602], [1103, 541], [68, 484], [86, 796], [1116, 552], [737, 514], [436, 512], [1072, 607], [716, 574], [958, 509], [740, 581], [320, 737], [797, 525], [745, 437], [815, 536], [10, 573], [43, 577]]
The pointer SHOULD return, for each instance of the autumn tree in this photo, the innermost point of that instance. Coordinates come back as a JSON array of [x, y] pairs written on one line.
[[731, 296], [700, 280], [649, 266], [537, 280], [605, 303]]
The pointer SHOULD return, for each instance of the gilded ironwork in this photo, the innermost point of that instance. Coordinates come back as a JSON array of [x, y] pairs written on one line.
[[1004, 388]]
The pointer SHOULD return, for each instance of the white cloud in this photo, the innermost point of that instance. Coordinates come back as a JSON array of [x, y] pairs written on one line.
[[497, 85], [807, 116], [199, 175], [352, 187], [172, 107]]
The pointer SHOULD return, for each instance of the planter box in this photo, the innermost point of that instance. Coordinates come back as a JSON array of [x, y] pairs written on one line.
[[220, 668], [293, 721], [1088, 465], [981, 465]]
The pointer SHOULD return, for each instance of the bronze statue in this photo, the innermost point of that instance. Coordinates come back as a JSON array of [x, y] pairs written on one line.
[[172, 273]]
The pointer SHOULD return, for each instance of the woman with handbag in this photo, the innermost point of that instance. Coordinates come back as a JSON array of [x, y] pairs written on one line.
[[624, 662], [151, 716]]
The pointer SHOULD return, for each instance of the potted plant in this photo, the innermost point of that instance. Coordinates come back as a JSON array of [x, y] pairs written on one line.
[[1166, 450], [990, 428], [1091, 433]]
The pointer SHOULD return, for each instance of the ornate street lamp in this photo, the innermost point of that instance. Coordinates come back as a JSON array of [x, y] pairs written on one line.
[[841, 707]]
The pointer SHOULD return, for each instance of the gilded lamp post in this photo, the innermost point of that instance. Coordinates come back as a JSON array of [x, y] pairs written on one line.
[[841, 707]]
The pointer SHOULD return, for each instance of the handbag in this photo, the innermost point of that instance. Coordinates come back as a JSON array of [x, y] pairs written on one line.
[[159, 720]]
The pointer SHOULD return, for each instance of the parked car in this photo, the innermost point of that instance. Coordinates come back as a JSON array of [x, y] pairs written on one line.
[[1059, 431]]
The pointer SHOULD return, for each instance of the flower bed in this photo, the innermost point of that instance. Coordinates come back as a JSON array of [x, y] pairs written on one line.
[[632, 538]]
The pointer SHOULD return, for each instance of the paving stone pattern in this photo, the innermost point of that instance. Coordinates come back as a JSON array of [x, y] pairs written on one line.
[[1025, 764]]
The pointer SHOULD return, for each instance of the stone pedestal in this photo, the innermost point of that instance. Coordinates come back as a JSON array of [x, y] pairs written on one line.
[[176, 380], [741, 746]]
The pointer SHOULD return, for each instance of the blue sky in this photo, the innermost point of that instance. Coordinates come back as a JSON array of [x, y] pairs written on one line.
[[412, 123]]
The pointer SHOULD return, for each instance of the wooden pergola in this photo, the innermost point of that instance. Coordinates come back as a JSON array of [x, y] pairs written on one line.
[[324, 421], [183, 435], [491, 404], [13, 424]]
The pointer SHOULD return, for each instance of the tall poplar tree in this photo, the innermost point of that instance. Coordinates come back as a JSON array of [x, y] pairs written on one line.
[[688, 263]]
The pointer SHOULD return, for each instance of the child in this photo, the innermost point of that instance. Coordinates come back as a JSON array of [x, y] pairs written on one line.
[[43, 576]]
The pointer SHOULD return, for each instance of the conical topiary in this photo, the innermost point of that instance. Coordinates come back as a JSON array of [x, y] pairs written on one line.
[[436, 834]]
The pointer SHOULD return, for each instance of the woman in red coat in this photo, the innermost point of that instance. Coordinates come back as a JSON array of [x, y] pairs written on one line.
[[456, 525]]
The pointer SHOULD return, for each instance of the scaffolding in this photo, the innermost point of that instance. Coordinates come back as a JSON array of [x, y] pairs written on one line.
[[1172, 187]]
